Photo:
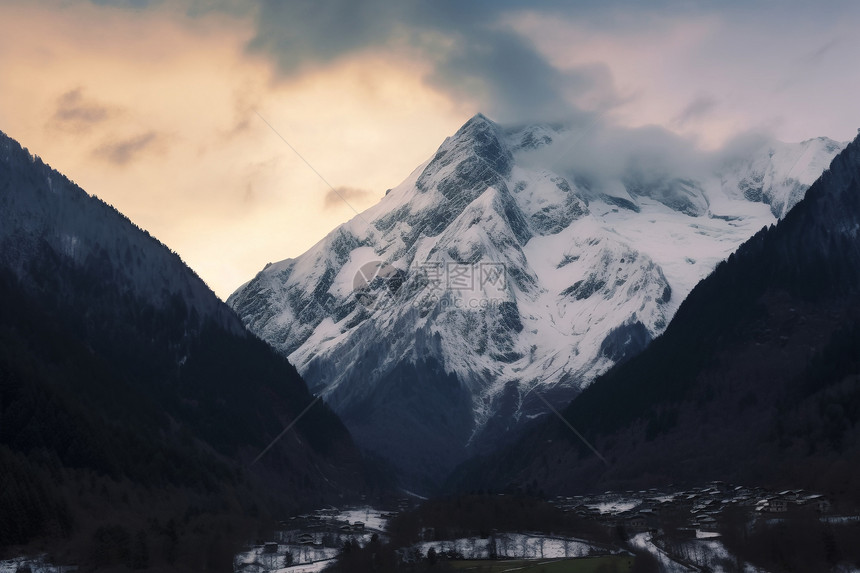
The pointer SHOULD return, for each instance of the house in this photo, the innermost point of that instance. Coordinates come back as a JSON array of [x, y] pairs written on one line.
[[647, 511], [791, 495], [708, 523], [632, 521], [636, 521], [777, 505], [817, 502]]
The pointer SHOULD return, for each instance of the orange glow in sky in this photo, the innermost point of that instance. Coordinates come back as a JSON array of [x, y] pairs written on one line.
[[155, 110]]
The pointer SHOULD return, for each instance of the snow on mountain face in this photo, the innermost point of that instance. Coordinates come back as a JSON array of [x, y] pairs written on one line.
[[507, 274], [780, 174]]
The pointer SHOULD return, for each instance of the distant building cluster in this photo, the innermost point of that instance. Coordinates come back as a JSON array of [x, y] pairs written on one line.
[[695, 509]]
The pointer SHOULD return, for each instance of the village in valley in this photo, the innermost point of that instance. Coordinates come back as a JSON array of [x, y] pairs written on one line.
[[698, 509], [682, 528]]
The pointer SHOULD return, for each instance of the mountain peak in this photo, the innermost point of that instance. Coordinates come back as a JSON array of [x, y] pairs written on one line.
[[473, 159], [478, 119], [481, 131]]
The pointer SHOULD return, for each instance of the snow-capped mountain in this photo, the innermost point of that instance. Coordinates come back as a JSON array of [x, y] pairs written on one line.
[[496, 269]]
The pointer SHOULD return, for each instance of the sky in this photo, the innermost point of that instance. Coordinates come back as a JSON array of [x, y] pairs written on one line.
[[241, 133]]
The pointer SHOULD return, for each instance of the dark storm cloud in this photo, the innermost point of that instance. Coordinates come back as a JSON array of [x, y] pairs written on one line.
[[123, 151], [509, 79], [470, 50], [473, 56], [303, 33]]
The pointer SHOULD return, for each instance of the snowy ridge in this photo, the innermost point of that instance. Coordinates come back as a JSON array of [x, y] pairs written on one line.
[[780, 173], [590, 274]]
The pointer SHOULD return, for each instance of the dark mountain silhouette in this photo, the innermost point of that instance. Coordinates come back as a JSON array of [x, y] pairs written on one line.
[[132, 400]]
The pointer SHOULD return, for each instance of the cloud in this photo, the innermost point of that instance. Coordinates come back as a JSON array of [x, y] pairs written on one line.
[[473, 56], [130, 4], [245, 103], [699, 107], [345, 196], [75, 112], [507, 78], [806, 66], [816, 55], [603, 157], [305, 33], [124, 151]]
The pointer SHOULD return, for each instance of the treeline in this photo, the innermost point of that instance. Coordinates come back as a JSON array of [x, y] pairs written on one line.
[[88, 460], [29, 503], [381, 557], [481, 515], [115, 415], [798, 540], [474, 515]]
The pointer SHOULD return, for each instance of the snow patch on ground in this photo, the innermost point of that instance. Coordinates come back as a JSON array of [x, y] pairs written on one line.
[[372, 518], [615, 507], [512, 545], [35, 564], [667, 564]]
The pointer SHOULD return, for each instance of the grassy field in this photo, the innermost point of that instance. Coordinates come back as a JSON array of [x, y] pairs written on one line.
[[608, 564]]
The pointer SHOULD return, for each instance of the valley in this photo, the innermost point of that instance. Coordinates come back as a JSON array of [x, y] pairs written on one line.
[[607, 321], [696, 529]]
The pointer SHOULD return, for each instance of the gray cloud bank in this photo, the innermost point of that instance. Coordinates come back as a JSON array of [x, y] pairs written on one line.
[[475, 57], [472, 55]]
